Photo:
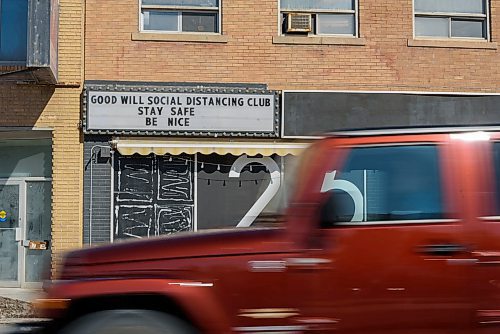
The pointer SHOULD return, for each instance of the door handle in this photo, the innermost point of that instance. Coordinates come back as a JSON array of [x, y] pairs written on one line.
[[19, 234], [308, 263], [442, 249]]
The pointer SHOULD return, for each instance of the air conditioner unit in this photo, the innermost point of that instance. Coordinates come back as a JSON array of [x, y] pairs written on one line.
[[298, 22]]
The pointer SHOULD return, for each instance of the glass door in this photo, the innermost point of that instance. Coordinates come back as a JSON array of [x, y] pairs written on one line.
[[38, 231], [10, 235]]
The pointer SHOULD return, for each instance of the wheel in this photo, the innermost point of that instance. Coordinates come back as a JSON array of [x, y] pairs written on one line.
[[128, 322]]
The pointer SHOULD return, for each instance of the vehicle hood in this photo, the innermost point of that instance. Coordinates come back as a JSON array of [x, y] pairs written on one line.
[[182, 246]]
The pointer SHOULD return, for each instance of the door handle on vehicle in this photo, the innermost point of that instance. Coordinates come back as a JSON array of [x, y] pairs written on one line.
[[442, 249], [308, 263]]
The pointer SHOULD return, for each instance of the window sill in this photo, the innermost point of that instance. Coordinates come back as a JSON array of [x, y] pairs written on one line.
[[317, 40], [146, 36], [459, 44]]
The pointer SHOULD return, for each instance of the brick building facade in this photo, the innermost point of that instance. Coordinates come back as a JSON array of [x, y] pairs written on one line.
[[40, 181], [330, 65], [251, 48], [353, 64]]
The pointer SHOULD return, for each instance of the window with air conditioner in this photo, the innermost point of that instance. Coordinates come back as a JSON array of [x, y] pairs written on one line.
[[180, 16], [451, 19], [320, 17]]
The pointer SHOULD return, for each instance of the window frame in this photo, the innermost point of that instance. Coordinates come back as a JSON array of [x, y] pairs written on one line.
[[485, 17], [493, 213], [447, 216], [180, 9], [354, 11]]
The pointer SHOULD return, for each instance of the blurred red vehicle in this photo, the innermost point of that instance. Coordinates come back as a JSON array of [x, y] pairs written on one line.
[[388, 231]]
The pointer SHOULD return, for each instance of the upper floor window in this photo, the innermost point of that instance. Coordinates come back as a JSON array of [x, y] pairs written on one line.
[[196, 16], [13, 30], [451, 18], [320, 17], [388, 183]]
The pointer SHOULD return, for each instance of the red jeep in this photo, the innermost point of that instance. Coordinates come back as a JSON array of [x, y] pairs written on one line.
[[387, 232]]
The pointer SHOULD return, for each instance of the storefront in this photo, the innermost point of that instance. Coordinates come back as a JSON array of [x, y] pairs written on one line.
[[25, 207], [164, 159]]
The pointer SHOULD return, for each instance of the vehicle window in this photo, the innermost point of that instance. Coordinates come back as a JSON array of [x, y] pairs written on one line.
[[496, 162], [388, 183]]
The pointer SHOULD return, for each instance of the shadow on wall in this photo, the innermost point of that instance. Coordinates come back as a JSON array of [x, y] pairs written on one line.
[[21, 105]]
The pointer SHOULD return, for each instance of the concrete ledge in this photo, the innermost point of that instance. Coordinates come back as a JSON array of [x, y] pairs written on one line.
[[21, 321], [459, 44], [318, 40], [158, 37], [27, 295]]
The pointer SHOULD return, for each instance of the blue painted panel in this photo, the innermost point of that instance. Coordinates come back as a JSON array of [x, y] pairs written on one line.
[[13, 30]]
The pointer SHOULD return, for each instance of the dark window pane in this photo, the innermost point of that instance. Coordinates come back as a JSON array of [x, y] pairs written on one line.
[[468, 28], [224, 199], [318, 4], [13, 30], [432, 26], [451, 6], [386, 184], [160, 20], [199, 22], [336, 24], [193, 3]]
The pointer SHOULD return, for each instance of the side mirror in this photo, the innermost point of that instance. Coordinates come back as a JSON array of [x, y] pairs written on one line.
[[338, 208]]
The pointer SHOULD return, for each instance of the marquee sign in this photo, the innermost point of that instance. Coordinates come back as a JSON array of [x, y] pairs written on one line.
[[231, 112]]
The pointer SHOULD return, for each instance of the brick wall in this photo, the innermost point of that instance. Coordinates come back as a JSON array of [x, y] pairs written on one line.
[[62, 114], [383, 62], [57, 108]]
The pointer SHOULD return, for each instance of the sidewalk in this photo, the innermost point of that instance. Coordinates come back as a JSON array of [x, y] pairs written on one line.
[[15, 305]]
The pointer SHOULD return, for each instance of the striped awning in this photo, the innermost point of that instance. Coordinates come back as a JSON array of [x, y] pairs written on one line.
[[160, 146]]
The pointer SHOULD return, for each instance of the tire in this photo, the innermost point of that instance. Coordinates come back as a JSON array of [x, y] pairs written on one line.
[[128, 322]]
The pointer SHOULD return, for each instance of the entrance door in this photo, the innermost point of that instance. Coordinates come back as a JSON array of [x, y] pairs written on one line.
[[10, 248]]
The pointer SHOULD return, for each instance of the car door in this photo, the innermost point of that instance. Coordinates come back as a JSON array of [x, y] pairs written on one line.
[[391, 225], [486, 274]]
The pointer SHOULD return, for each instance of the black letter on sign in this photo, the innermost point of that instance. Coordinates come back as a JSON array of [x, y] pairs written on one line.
[[151, 121]]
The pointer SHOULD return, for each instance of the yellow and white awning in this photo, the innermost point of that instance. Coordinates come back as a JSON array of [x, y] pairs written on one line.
[[162, 146]]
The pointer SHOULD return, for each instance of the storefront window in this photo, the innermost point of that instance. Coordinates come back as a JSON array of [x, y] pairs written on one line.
[[157, 195], [240, 191], [26, 158], [224, 199], [153, 195]]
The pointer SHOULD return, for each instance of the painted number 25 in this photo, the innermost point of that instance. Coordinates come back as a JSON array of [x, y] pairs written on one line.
[[267, 195]]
